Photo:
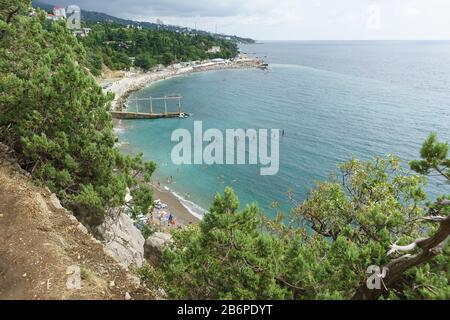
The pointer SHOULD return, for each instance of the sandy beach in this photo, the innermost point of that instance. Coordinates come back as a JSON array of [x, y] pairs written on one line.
[[175, 207], [134, 81], [122, 87]]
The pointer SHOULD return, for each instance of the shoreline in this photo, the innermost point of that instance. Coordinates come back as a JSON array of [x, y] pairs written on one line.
[[184, 210], [135, 81], [176, 206]]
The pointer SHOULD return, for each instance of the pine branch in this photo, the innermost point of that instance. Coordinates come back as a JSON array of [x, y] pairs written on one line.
[[431, 247]]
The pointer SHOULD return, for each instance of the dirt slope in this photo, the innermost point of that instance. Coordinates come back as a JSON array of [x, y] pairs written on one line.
[[39, 241]]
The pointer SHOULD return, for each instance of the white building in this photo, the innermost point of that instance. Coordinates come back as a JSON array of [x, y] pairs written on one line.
[[52, 17], [84, 32], [215, 49], [59, 12]]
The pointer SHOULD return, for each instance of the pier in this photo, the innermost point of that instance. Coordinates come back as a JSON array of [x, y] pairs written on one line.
[[147, 108]]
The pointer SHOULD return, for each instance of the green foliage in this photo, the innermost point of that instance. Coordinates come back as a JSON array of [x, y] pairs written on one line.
[[151, 277], [346, 225], [120, 61], [55, 117], [10, 9], [117, 45], [434, 156], [226, 257], [145, 61], [148, 230], [94, 62]]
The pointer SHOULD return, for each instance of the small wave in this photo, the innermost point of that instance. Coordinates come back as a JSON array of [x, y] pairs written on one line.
[[193, 208], [119, 130], [122, 144]]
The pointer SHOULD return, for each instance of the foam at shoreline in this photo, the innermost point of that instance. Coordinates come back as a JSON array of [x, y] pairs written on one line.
[[193, 208], [135, 83]]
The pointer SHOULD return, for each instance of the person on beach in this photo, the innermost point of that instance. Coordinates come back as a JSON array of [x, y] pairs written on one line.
[[170, 220]]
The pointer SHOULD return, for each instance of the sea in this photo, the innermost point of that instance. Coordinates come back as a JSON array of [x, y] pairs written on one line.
[[334, 101]]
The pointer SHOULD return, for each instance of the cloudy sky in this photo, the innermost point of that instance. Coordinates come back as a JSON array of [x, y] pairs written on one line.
[[291, 19]]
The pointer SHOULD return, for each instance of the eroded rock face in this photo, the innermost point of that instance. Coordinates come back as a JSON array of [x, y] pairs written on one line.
[[155, 245], [123, 240], [44, 250]]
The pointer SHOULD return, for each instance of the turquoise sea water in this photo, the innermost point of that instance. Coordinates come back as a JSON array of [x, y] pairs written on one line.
[[335, 100]]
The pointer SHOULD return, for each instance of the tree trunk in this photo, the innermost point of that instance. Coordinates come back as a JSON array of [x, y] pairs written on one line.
[[430, 247]]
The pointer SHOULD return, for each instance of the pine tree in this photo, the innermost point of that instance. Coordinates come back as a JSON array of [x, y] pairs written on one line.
[[55, 117], [324, 247]]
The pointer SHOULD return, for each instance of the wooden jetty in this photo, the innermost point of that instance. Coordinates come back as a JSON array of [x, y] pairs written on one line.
[[125, 113]]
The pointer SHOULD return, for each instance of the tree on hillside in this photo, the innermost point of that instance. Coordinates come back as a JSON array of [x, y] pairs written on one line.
[[431, 251], [12, 8], [145, 61], [155, 46], [55, 117], [226, 258], [434, 158], [358, 219]]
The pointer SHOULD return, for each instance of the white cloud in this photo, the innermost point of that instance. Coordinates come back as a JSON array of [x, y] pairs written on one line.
[[292, 19], [410, 12]]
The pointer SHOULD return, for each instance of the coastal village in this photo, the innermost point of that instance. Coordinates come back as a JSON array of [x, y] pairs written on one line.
[[60, 13], [125, 82]]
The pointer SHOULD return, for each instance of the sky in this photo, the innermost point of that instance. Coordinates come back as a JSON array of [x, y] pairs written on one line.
[[291, 19]]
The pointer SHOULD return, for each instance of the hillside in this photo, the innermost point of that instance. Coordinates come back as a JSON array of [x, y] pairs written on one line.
[[94, 17], [43, 249], [121, 48]]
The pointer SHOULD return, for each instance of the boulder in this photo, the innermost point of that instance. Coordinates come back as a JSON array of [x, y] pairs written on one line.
[[74, 278], [154, 247], [55, 202], [123, 240]]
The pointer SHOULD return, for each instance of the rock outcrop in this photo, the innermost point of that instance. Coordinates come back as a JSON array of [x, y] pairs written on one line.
[[45, 253], [155, 245], [123, 240]]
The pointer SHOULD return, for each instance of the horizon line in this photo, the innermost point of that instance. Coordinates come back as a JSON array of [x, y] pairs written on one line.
[[354, 40]]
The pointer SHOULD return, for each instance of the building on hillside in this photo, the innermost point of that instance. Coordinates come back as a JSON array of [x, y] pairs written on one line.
[[60, 12], [132, 26], [215, 49], [78, 33], [52, 17], [84, 32]]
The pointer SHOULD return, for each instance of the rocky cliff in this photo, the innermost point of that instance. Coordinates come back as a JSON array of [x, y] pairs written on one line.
[[45, 253]]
